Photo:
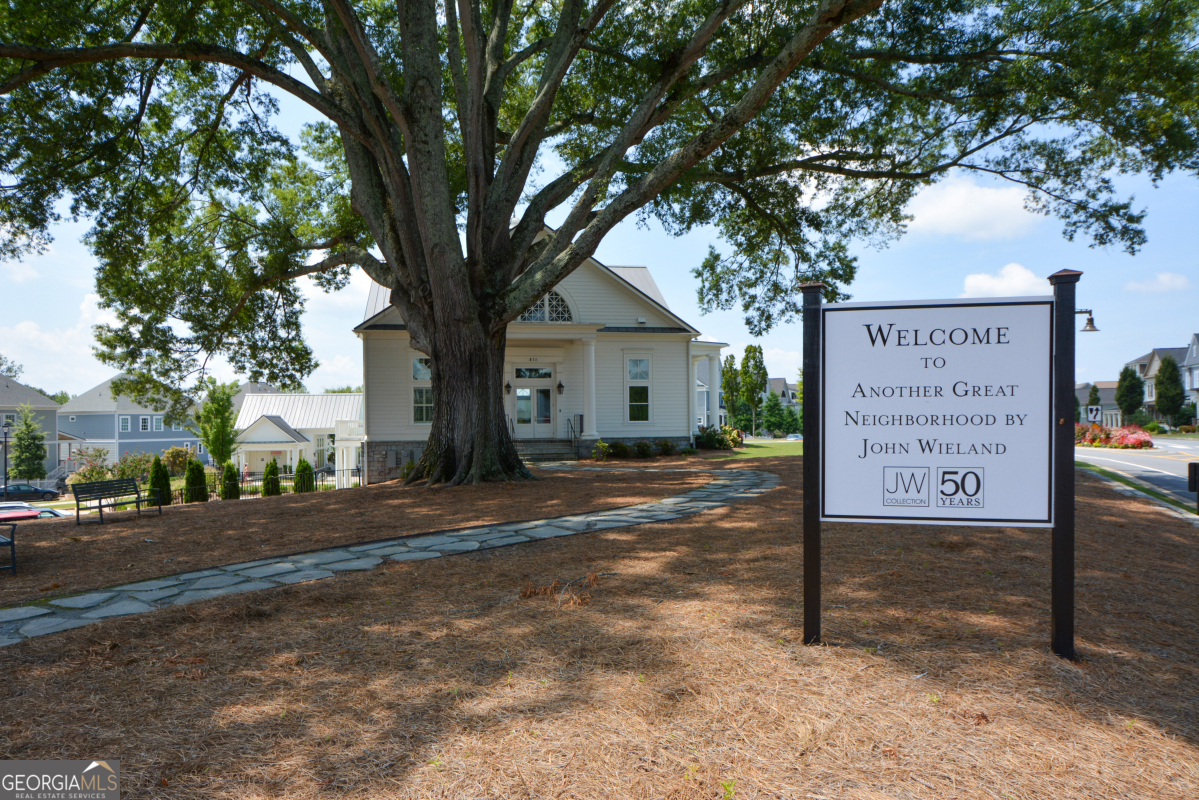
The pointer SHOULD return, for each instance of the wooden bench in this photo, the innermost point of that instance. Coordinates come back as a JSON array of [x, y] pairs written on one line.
[[120, 492], [11, 541]]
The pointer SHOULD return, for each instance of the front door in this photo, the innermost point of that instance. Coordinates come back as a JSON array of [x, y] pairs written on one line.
[[533, 403]]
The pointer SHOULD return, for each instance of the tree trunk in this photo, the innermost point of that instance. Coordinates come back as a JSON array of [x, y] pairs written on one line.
[[470, 441]]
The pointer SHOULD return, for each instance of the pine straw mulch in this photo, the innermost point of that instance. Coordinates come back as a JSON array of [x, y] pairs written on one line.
[[679, 676], [57, 557]]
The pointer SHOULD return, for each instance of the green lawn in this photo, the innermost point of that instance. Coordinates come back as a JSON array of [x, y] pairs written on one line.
[[763, 449]]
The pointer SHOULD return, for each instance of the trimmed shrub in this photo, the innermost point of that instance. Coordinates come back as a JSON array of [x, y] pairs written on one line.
[[303, 480], [160, 479], [1153, 427], [644, 449], [175, 460], [600, 451], [620, 450], [713, 438], [666, 447], [1186, 428], [687, 451], [230, 485], [270, 479], [195, 483]]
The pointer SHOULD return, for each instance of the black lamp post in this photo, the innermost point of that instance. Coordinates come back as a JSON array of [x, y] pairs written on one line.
[[7, 424]]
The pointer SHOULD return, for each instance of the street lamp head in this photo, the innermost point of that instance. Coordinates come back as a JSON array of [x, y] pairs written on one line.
[[1090, 326]]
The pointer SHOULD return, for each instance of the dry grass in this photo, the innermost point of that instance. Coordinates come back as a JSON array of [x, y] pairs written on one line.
[[680, 676], [57, 557]]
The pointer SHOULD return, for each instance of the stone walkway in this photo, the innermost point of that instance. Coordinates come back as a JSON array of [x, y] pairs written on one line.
[[21, 622]]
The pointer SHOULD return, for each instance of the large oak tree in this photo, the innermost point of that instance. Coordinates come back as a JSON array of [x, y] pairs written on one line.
[[454, 128]]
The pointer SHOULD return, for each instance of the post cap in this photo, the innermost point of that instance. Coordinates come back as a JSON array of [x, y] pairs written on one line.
[[816, 286], [1065, 276]]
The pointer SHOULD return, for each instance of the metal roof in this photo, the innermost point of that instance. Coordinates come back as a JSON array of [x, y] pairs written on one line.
[[13, 394], [300, 411]]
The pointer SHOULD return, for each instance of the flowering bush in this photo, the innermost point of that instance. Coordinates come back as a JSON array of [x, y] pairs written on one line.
[[1130, 437], [134, 465]]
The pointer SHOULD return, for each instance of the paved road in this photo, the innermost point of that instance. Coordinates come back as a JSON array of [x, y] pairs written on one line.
[[1165, 466]]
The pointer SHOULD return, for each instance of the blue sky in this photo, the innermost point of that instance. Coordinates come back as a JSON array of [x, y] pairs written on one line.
[[968, 237]]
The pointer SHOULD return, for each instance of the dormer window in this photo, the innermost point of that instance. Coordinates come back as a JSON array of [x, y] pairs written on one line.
[[551, 308]]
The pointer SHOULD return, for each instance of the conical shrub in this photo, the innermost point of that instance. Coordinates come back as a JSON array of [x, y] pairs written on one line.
[[195, 483], [304, 480], [160, 479], [230, 485]]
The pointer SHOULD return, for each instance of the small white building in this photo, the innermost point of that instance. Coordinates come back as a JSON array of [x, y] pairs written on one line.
[[600, 356], [288, 427]]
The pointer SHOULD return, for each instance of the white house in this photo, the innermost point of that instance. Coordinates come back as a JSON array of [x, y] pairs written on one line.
[[600, 356], [288, 427]]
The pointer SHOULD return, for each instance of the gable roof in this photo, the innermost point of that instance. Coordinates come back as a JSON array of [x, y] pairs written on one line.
[[300, 410], [14, 394], [640, 279], [99, 399], [1179, 353], [289, 433], [250, 387], [378, 299]]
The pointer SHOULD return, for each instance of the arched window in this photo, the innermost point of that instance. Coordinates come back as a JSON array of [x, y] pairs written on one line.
[[551, 308]]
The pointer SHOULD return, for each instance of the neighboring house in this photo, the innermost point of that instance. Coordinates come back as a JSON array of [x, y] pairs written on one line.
[[1190, 370], [1147, 367], [788, 392], [288, 427], [600, 356], [13, 395], [121, 426], [1107, 401]]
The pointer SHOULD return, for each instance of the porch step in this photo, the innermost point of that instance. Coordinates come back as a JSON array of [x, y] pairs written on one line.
[[537, 450]]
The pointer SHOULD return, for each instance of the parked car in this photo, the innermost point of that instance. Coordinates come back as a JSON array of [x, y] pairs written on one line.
[[22, 514], [23, 491], [795, 437], [11, 505]]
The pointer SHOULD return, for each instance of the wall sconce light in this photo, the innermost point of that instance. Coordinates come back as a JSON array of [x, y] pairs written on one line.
[[561, 388], [507, 388]]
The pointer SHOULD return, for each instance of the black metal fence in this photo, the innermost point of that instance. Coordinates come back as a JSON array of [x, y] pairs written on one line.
[[255, 484]]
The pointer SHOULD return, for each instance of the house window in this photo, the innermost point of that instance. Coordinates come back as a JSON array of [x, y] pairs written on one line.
[[125, 425], [551, 308], [638, 388], [533, 373], [199, 447], [175, 426], [158, 423], [145, 424], [422, 404], [10, 418], [422, 369], [72, 419]]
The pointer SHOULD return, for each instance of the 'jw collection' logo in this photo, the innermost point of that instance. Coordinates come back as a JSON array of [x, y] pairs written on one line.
[[906, 486]]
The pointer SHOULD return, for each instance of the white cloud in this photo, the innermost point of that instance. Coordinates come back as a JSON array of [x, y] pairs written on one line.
[[60, 358], [1159, 283], [1013, 280], [18, 271], [959, 207]]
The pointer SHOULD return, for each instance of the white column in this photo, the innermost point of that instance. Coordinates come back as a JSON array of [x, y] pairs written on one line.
[[713, 389], [589, 427], [694, 395]]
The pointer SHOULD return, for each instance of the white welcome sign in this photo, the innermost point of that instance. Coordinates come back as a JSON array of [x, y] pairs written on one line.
[[938, 412]]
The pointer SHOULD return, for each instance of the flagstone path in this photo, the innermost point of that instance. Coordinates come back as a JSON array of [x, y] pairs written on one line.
[[38, 619]]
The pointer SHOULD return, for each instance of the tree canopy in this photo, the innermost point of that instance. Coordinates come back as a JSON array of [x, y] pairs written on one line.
[[27, 449], [215, 420], [795, 127], [1168, 389]]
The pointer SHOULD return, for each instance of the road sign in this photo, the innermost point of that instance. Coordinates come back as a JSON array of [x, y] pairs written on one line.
[[1095, 414], [938, 412]]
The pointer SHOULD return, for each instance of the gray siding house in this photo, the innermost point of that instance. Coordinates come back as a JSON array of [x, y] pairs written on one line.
[[119, 425], [13, 395]]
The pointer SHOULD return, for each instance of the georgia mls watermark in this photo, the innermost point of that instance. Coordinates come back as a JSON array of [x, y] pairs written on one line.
[[60, 780]]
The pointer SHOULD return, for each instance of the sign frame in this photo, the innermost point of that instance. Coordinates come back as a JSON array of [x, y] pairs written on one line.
[[1043, 521], [1060, 478]]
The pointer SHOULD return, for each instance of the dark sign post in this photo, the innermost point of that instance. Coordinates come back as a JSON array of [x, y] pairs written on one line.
[[1192, 481], [1020, 472], [1062, 567], [812, 296]]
